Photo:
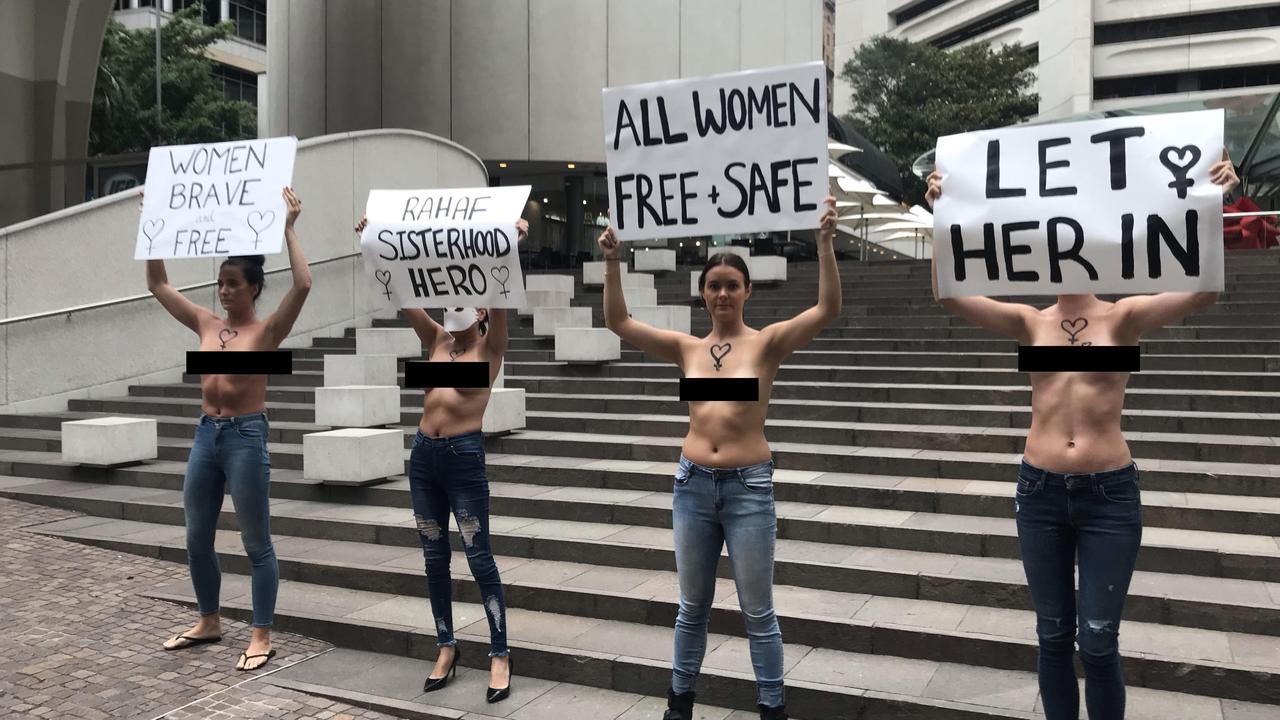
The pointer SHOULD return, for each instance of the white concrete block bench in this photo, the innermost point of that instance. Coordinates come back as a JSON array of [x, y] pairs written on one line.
[[655, 260], [400, 342], [767, 268], [343, 370], [109, 441], [640, 296], [562, 283], [353, 456], [637, 280], [547, 319], [358, 406], [593, 272], [505, 411], [534, 299], [667, 317], [693, 283], [587, 345]]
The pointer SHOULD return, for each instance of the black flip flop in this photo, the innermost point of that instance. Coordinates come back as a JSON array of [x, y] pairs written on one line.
[[247, 658], [194, 641]]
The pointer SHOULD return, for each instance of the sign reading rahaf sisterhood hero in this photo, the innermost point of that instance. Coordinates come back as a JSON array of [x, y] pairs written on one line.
[[1123, 205], [725, 154], [216, 199], [446, 248]]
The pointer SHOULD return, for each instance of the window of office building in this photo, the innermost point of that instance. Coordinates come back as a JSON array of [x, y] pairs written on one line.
[[909, 13], [986, 24], [250, 17], [237, 84], [1200, 23], [1194, 81]]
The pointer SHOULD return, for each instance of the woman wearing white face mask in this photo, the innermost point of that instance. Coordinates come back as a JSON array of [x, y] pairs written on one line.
[[447, 476]]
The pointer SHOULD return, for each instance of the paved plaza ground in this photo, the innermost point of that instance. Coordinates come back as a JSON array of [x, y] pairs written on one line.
[[78, 640]]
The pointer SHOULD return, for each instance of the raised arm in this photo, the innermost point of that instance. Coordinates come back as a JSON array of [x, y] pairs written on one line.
[[182, 309], [280, 323], [664, 344], [496, 338], [785, 337], [1142, 313], [1006, 318]]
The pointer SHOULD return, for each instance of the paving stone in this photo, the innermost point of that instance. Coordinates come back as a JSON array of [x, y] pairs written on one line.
[[865, 672], [916, 613], [567, 701], [984, 686]]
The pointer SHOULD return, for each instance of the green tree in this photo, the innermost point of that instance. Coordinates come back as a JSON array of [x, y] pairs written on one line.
[[906, 95], [195, 108]]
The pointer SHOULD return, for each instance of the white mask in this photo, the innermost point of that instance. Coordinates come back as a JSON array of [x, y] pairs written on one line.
[[459, 319]]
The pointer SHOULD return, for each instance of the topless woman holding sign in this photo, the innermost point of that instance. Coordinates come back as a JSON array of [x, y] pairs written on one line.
[[1077, 488], [447, 475], [723, 489], [230, 449]]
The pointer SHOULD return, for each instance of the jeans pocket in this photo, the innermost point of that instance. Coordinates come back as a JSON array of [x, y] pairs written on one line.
[[418, 439], [254, 430], [682, 475], [1125, 492], [760, 484], [1027, 487], [468, 452]]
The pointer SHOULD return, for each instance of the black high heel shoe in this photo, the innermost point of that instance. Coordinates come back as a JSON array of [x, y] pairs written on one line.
[[496, 694], [434, 684]]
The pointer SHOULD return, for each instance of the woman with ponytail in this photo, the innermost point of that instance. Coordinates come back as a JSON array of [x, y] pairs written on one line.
[[230, 450]]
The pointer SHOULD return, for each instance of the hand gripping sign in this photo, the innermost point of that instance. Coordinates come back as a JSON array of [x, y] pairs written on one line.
[[733, 153], [215, 199], [1122, 205], [445, 248]]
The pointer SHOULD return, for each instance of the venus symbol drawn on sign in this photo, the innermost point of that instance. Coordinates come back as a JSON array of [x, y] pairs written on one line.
[[258, 223], [151, 229], [501, 274], [1179, 169], [384, 277]]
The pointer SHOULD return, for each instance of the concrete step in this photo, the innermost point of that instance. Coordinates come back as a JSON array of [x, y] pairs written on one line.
[[641, 607], [979, 416]]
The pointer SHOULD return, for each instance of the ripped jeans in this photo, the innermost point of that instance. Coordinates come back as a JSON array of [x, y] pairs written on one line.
[[1099, 516], [447, 475]]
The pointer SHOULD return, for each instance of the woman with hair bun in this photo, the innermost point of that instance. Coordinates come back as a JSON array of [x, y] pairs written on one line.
[[230, 449]]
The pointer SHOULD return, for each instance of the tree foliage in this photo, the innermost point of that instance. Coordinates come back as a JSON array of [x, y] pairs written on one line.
[[195, 110], [906, 95]]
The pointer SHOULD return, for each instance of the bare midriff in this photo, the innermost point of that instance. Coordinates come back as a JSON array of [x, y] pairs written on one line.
[[722, 433], [1076, 416], [232, 395]]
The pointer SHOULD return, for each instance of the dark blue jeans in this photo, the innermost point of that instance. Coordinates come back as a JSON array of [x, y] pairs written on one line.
[[1097, 516], [446, 475], [230, 455]]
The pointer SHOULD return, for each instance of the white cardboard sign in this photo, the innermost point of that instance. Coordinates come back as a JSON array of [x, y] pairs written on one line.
[[1116, 206], [723, 154], [446, 248], [215, 199]]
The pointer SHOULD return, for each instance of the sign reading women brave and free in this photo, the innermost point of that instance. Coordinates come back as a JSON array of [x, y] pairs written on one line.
[[215, 199], [446, 248], [1122, 205], [724, 154]]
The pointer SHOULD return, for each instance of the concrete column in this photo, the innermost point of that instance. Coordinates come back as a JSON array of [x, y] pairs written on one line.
[[224, 8], [167, 6]]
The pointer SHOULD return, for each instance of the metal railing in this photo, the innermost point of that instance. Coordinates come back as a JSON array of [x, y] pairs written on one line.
[[144, 296]]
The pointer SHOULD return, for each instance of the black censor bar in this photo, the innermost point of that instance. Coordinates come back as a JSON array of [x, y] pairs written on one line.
[[1066, 358], [423, 374], [734, 389], [242, 362]]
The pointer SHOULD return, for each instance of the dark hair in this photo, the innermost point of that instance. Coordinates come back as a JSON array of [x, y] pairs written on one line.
[[724, 258], [251, 267]]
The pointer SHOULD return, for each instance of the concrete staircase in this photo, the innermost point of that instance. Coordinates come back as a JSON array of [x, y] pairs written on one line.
[[896, 434]]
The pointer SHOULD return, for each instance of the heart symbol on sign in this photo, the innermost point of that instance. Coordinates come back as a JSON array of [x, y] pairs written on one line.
[[1188, 156], [384, 277], [718, 352], [502, 275], [227, 334], [258, 222], [151, 229]]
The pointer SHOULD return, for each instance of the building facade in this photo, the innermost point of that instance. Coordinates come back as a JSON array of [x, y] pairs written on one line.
[[1093, 54], [516, 81]]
